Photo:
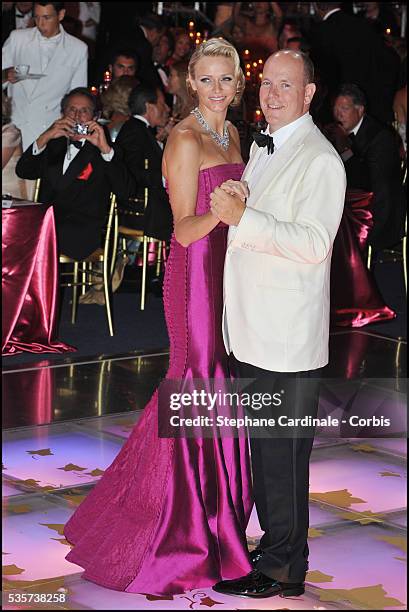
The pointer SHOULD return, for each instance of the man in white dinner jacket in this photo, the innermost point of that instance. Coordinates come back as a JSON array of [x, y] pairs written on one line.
[[50, 51], [276, 309]]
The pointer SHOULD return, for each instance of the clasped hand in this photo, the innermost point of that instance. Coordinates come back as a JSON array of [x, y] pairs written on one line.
[[227, 202]]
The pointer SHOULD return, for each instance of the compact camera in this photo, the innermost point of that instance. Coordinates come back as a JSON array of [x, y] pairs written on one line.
[[81, 129]]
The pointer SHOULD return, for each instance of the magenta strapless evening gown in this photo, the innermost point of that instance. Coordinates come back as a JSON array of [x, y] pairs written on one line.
[[170, 515]]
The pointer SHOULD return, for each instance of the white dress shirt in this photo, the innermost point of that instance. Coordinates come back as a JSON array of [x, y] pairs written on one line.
[[72, 152], [280, 137], [22, 20], [48, 47], [335, 10], [356, 128]]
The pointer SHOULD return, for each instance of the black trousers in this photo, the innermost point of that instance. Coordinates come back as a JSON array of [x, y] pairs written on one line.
[[280, 466]]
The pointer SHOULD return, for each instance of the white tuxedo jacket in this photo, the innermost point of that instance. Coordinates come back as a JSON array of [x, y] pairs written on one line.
[[36, 103], [277, 268]]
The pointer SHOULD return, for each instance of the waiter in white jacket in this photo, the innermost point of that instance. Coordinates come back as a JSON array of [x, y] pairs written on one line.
[[276, 310], [48, 50]]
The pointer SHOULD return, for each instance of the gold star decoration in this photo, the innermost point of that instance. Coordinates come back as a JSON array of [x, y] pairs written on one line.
[[342, 498], [372, 597]]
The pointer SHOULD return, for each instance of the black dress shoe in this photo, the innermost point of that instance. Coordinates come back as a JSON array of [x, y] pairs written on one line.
[[255, 556], [258, 585]]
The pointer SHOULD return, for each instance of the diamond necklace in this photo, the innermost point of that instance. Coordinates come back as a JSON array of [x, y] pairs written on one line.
[[222, 141]]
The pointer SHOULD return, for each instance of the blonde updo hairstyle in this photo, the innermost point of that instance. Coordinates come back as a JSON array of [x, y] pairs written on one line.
[[217, 47]]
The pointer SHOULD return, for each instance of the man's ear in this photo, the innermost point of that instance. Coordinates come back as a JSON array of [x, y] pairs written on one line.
[[309, 93], [61, 15], [361, 110]]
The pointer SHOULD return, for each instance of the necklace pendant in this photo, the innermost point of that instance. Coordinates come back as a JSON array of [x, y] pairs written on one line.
[[222, 141]]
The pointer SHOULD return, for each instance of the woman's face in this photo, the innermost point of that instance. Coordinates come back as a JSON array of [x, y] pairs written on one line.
[[173, 82], [182, 47], [215, 82]]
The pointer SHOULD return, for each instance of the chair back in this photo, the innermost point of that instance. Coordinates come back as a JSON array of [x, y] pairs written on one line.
[[37, 186], [110, 244], [132, 212]]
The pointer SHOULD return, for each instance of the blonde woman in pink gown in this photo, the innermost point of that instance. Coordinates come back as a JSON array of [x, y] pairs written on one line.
[[170, 514]]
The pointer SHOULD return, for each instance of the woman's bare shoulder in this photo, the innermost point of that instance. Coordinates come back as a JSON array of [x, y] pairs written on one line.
[[183, 147], [184, 139]]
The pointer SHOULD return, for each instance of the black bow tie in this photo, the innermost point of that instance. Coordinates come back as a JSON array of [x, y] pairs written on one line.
[[76, 143], [264, 140]]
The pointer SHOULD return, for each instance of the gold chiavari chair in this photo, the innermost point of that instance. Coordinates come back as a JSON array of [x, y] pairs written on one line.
[[127, 233], [86, 273]]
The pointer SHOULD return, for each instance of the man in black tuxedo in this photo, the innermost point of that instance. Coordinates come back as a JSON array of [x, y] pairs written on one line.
[[138, 143], [370, 151], [162, 51], [147, 35], [18, 17], [346, 49], [77, 173]]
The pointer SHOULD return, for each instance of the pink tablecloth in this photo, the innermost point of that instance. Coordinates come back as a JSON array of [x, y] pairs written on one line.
[[355, 299], [29, 281]]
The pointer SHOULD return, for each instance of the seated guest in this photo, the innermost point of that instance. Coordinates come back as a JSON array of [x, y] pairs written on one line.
[[115, 105], [370, 151], [149, 110], [78, 173], [11, 151], [123, 63]]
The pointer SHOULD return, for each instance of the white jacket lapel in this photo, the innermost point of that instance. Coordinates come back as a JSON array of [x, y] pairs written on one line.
[[35, 63], [281, 158], [254, 155]]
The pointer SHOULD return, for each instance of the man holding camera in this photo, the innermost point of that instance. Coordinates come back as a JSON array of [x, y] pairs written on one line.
[[79, 169]]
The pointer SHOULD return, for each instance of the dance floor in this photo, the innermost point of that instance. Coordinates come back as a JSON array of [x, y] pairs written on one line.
[[64, 424]]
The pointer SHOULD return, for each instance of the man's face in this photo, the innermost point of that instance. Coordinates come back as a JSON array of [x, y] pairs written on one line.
[[347, 113], [153, 36], [284, 96], [157, 114], [123, 66], [47, 19], [79, 108], [24, 7]]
